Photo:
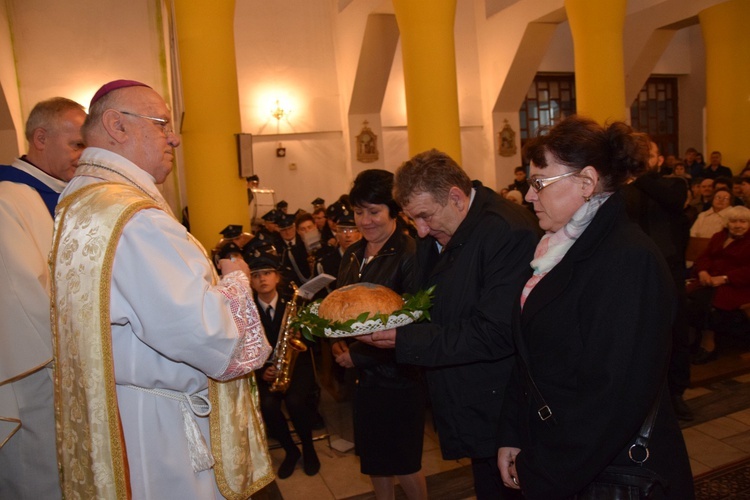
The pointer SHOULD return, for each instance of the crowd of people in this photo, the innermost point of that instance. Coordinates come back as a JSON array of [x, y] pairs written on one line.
[[558, 340]]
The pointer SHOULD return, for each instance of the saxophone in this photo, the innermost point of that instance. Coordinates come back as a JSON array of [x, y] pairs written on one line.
[[287, 348]]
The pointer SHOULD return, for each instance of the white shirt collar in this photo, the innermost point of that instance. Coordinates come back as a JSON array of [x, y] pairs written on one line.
[[273, 303]]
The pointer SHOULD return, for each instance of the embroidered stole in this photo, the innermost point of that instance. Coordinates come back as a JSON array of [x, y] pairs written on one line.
[[90, 444]]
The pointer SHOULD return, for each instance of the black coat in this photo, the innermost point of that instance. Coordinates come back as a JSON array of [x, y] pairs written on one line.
[[392, 267], [595, 333], [467, 347]]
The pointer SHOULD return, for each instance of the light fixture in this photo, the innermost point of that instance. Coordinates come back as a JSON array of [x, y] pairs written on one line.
[[280, 113]]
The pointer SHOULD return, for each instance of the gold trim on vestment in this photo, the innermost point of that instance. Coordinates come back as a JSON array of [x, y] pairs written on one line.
[[91, 447]]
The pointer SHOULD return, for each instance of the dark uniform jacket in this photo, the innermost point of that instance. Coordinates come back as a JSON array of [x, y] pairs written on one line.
[[595, 334], [467, 347], [303, 366]]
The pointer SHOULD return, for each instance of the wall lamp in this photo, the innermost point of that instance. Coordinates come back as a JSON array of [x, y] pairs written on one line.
[[280, 113]]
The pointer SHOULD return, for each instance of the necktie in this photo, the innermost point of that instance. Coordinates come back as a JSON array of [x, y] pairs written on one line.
[[269, 312]]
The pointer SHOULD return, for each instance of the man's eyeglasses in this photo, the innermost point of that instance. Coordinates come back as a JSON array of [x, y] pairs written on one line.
[[347, 230], [162, 122], [539, 183]]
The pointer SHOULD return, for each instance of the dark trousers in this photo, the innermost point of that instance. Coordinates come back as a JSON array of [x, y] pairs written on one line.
[[678, 375], [488, 484], [297, 401]]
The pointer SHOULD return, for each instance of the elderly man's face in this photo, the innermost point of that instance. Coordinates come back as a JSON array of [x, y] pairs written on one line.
[[153, 143], [433, 219], [707, 188], [63, 145]]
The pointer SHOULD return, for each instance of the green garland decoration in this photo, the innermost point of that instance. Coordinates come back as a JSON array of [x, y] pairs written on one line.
[[311, 325]]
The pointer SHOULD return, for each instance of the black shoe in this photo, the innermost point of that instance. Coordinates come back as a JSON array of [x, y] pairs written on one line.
[[287, 466], [681, 409], [311, 462], [702, 356]]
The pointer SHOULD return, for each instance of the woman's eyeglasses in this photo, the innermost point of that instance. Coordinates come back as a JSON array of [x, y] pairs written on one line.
[[539, 183]]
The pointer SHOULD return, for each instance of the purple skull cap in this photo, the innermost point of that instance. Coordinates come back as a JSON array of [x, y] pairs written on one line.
[[114, 85]]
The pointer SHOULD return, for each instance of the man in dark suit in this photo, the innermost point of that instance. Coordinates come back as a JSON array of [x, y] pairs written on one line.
[[294, 265], [715, 169], [475, 248], [264, 279], [657, 204], [328, 258]]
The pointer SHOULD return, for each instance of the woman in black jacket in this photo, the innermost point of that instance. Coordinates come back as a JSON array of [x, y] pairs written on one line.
[[593, 327], [389, 400]]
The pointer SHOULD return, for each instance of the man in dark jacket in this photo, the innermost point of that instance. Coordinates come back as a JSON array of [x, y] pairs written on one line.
[[475, 248], [657, 204]]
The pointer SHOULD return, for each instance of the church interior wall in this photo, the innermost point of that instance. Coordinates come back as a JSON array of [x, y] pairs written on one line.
[[305, 53]]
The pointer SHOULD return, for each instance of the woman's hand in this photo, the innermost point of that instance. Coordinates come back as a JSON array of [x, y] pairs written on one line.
[[705, 278], [345, 359], [506, 462], [712, 281]]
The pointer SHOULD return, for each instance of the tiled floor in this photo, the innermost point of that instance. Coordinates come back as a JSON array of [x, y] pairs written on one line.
[[711, 444]]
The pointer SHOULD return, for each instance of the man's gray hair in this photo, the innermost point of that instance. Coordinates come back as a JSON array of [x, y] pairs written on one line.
[[46, 113], [432, 172]]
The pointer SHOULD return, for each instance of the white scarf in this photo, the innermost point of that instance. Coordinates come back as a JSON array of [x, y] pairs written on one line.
[[553, 246]]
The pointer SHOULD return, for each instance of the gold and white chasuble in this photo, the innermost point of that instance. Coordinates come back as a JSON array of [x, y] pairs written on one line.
[[138, 325]]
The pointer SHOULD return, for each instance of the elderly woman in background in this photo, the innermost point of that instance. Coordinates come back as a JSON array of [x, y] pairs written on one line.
[[594, 324], [722, 284], [389, 401], [713, 220]]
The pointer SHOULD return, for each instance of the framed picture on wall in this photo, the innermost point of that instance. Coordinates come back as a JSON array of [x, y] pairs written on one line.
[[245, 154]]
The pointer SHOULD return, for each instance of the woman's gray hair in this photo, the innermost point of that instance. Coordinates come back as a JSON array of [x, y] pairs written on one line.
[[737, 213]]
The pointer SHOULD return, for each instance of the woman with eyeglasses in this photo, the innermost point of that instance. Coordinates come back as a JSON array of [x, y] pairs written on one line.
[[720, 290], [713, 220], [592, 327]]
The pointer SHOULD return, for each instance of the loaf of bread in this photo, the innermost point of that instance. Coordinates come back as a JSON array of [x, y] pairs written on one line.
[[350, 301]]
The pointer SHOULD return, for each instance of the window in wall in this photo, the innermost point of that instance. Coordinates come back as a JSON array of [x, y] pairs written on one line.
[[654, 112], [550, 99]]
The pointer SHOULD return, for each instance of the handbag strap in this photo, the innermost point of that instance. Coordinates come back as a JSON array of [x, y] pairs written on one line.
[[638, 451], [644, 434], [544, 411]]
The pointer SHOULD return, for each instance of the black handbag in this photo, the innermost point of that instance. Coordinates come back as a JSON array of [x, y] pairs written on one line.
[[629, 482], [616, 482]]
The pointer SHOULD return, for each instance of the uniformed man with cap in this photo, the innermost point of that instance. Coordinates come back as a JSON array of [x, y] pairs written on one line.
[[294, 266], [252, 205], [269, 230], [232, 242], [318, 203], [321, 222], [328, 258], [334, 211], [265, 280]]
